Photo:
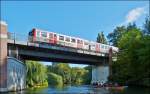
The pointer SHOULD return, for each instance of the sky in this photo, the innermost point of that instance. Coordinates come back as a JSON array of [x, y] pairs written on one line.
[[83, 19]]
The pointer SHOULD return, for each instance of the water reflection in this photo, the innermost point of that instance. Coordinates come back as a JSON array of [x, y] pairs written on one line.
[[81, 89]]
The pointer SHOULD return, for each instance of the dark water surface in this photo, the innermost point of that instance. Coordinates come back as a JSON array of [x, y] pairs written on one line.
[[82, 89]]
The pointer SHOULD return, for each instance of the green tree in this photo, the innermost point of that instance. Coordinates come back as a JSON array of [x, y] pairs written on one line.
[[144, 60], [74, 75], [78, 75], [36, 73], [126, 69], [131, 26], [114, 36], [54, 79], [64, 70], [131, 34], [88, 75], [132, 66], [101, 38]]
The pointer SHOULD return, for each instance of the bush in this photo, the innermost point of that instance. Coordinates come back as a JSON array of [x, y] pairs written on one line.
[[54, 79]]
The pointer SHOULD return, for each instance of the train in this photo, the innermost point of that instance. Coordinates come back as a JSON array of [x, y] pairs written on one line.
[[43, 36]]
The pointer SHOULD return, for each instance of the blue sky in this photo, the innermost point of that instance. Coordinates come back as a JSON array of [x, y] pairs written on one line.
[[75, 18]]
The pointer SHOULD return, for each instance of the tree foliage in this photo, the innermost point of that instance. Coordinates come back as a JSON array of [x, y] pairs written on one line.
[[54, 79], [70, 75], [63, 69], [88, 75], [36, 73], [133, 64], [116, 35], [101, 38], [77, 75]]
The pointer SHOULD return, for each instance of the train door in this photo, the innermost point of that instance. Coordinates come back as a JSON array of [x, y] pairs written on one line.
[[79, 43], [89, 47], [97, 47]]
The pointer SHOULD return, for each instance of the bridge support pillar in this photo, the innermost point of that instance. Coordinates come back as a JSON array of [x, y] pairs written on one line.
[[100, 74], [3, 56]]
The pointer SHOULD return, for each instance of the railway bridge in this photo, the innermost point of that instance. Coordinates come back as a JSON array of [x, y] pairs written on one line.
[[13, 46]]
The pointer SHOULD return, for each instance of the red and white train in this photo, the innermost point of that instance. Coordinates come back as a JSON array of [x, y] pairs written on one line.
[[37, 35]]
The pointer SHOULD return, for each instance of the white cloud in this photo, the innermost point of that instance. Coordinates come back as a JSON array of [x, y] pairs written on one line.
[[134, 14]]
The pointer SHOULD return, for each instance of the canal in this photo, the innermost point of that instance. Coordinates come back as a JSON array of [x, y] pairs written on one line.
[[81, 89]]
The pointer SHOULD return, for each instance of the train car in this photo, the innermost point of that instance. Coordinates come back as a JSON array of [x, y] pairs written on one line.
[[52, 37], [34, 35], [97, 47], [31, 36], [104, 48], [86, 44], [92, 46], [73, 42], [37, 35], [61, 39], [68, 41], [107, 47], [43, 36], [79, 43]]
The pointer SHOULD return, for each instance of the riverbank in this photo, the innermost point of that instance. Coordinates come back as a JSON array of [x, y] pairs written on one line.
[[45, 84]]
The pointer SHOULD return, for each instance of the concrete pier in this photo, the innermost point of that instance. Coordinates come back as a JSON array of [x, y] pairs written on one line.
[[100, 74]]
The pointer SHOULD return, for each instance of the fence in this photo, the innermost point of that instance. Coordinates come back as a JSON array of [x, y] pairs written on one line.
[[17, 37]]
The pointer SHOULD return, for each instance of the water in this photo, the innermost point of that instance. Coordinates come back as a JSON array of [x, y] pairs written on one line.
[[82, 89]]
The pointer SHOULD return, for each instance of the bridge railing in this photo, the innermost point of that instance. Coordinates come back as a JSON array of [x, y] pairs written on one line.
[[17, 37]]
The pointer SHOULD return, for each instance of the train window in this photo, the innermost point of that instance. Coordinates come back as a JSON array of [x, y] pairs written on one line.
[[73, 40], [102, 46], [67, 39], [55, 35], [93, 45], [38, 34], [43, 34], [86, 43], [61, 38], [50, 35], [30, 33], [79, 41]]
